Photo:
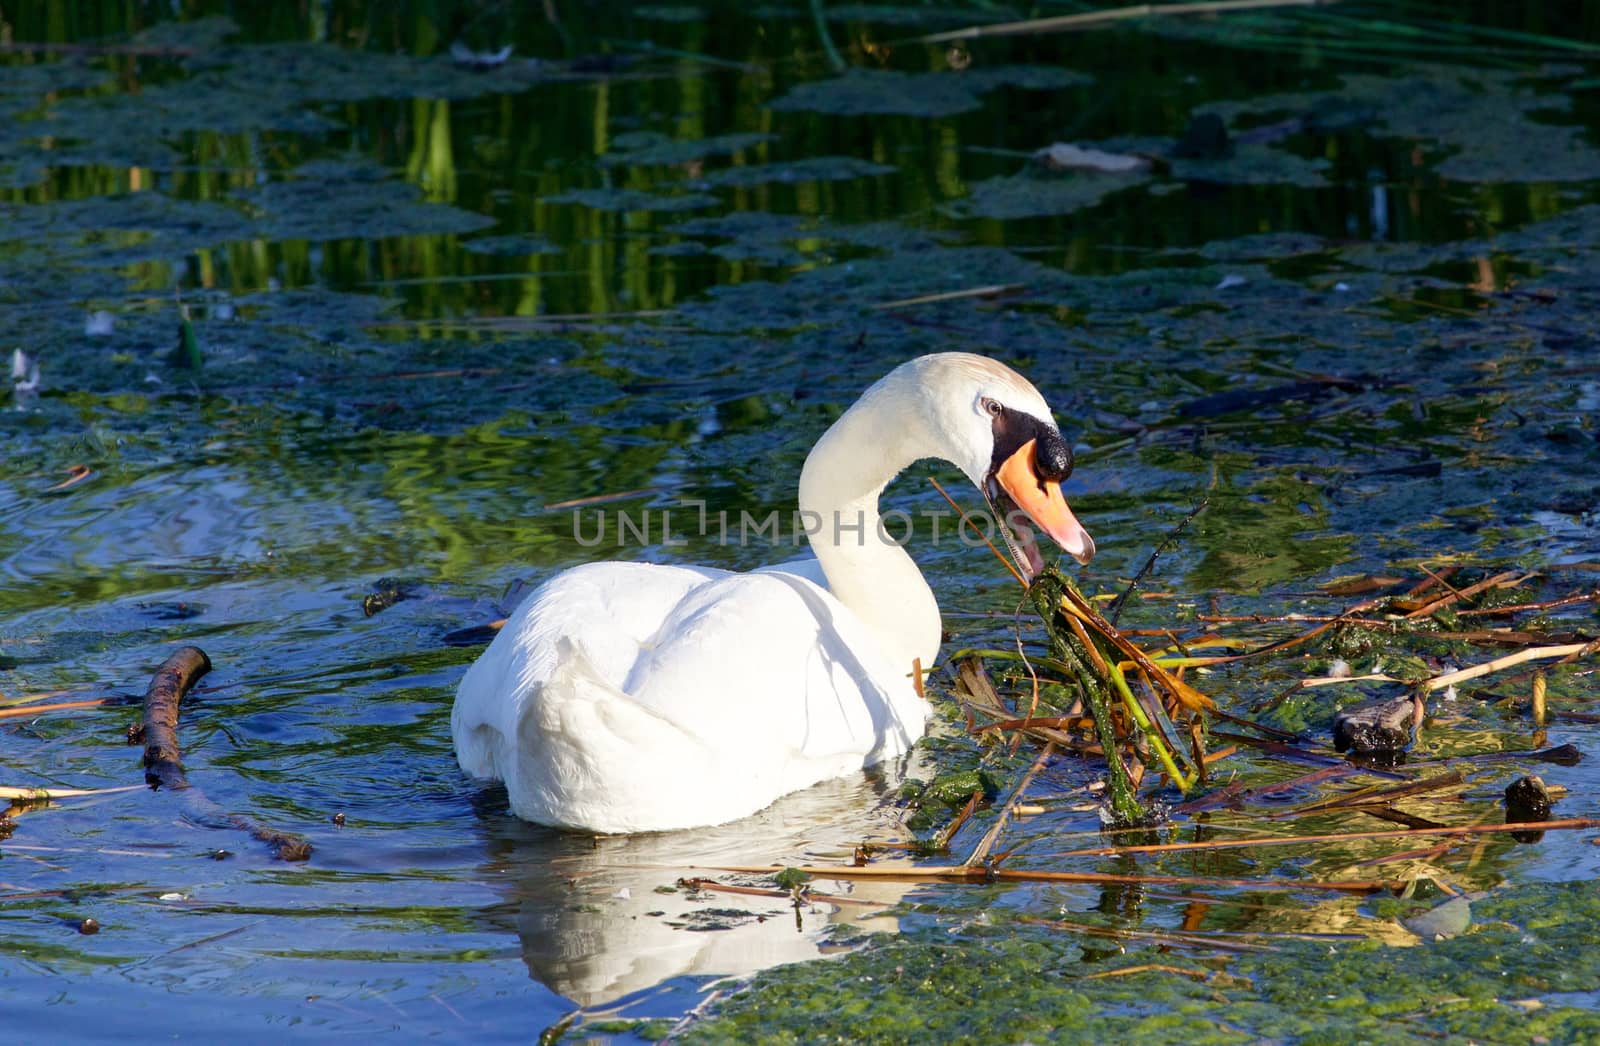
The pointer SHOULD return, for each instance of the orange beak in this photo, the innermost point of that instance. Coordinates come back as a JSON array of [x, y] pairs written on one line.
[[1041, 500]]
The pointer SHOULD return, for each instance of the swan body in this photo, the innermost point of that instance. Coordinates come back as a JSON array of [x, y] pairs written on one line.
[[629, 697]]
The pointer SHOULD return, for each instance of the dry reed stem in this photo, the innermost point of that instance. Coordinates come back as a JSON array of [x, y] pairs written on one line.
[[991, 291], [1393, 816], [963, 874], [75, 475], [1386, 793], [1148, 967], [1238, 793], [1511, 660], [1571, 823], [1295, 619], [1046, 722], [47, 794], [1180, 691], [1097, 662], [59, 706], [1425, 854], [1440, 581], [941, 842], [601, 499], [1098, 19], [962, 515], [982, 851], [1516, 608], [1434, 578], [1439, 682], [22, 699]]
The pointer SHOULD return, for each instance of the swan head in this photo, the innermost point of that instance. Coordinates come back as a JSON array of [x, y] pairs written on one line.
[[1001, 434]]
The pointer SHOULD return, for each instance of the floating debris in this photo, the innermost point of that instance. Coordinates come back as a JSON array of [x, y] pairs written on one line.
[[24, 379], [467, 58], [1380, 727], [1066, 157]]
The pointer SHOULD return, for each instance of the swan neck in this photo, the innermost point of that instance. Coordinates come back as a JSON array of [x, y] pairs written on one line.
[[866, 568]]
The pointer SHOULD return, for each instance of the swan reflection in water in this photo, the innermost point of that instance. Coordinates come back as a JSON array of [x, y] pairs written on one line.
[[602, 917]]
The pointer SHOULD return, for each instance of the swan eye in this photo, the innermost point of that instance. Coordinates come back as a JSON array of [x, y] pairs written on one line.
[[992, 407]]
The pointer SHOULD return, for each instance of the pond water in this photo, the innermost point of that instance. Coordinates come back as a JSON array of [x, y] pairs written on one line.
[[321, 313]]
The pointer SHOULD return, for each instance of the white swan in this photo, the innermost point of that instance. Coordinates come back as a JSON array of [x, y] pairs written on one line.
[[631, 697]]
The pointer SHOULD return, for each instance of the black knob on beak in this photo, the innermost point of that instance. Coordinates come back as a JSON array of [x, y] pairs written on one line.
[[1052, 458]]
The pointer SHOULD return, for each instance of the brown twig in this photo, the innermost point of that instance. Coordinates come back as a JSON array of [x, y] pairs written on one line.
[[46, 795], [1038, 722], [1517, 608], [59, 706], [1434, 578], [1296, 619], [1509, 579]]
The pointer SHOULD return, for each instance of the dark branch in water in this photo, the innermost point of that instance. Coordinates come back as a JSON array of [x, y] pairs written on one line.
[[172, 680], [1114, 612], [163, 766]]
